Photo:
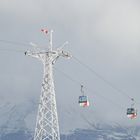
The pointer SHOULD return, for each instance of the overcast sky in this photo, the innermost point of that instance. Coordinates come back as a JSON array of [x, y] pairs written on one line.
[[103, 34]]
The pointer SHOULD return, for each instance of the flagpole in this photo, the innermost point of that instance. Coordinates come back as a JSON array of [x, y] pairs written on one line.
[[50, 41]]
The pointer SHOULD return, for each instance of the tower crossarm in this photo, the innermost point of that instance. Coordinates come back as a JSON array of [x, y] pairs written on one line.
[[33, 54], [62, 53]]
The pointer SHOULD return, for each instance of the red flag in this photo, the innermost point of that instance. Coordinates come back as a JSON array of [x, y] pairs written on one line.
[[44, 30]]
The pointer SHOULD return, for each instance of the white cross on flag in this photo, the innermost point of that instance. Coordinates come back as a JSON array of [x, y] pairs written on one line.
[[44, 30]]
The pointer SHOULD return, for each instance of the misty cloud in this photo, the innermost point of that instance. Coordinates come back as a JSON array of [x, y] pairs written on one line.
[[102, 34]]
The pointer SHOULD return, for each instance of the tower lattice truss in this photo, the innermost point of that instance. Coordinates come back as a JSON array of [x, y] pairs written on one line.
[[47, 127]]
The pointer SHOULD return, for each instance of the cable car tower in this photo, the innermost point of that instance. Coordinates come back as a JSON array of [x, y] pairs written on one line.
[[47, 127]]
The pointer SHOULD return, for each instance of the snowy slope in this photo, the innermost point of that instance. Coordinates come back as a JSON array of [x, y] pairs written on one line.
[[14, 118], [102, 134], [17, 122]]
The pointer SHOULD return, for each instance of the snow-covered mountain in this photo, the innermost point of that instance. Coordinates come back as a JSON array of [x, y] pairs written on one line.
[[105, 133], [15, 124], [14, 120], [80, 134]]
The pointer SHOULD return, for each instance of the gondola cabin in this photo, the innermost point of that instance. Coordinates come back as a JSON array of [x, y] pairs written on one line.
[[83, 101], [131, 113]]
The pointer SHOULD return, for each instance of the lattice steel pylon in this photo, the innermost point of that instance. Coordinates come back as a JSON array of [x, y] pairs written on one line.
[[47, 127]]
